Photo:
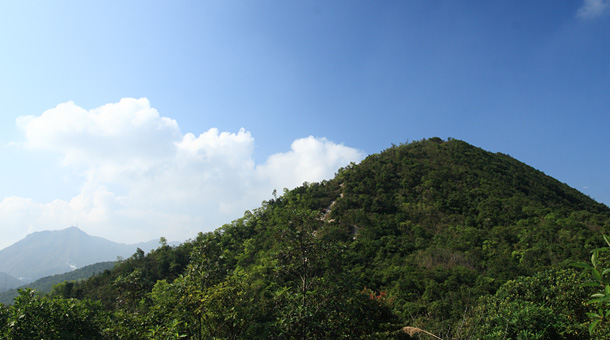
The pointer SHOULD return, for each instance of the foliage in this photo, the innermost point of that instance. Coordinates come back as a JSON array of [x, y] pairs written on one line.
[[165, 262], [320, 300], [36, 317], [600, 298], [548, 305]]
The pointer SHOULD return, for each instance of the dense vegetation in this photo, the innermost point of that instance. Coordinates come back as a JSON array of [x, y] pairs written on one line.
[[436, 235]]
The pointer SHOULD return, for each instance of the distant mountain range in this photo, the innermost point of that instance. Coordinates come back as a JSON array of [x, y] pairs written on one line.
[[47, 253]]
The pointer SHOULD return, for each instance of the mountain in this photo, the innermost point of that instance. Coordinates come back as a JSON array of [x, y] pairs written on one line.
[[438, 235], [48, 253], [8, 282], [45, 284]]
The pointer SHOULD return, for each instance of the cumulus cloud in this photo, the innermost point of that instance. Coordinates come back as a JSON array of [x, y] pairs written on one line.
[[593, 8], [129, 133], [310, 159], [142, 178]]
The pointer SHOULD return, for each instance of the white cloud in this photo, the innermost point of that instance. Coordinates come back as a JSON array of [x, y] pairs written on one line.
[[593, 8], [129, 133], [142, 178], [310, 159]]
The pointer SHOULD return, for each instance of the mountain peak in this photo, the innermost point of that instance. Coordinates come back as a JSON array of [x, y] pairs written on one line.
[[51, 252], [72, 229]]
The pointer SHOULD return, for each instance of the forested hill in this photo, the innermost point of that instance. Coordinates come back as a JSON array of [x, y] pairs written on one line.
[[427, 234], [46, 284]]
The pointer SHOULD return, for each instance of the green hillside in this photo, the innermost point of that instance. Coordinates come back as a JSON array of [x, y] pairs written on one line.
[[45, 284], [435, 235]]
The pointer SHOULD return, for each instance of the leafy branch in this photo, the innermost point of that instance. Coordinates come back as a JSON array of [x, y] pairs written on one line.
[[597, 278]]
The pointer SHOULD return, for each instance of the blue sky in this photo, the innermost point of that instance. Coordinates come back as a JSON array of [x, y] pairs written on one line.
[[141, 119]]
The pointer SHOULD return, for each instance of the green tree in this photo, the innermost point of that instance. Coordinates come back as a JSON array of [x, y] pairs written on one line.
[[316, 298], [38, 317], [548, 305], [598, 271]]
